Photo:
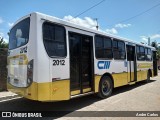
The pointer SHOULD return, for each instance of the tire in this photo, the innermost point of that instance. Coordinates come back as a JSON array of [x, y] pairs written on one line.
[[148, 77], [158, 67], [105, 87]]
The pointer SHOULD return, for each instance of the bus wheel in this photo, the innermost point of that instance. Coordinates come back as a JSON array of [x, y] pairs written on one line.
[[105, 87], [148, 77]]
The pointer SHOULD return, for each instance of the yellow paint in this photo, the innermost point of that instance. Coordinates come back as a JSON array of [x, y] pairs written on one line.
[[144, 74], [144, 65], [130, 76], [138, 75], [50, 91], [44, 91], [152, 73], [96, 81], [75, 92], [61, 90], [120, 79], [86, 90]]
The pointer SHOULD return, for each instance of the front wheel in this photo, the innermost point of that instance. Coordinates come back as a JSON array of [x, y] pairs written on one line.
[[105, 87]]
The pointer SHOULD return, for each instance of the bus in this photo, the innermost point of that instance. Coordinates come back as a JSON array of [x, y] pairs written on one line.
[[50, 59]]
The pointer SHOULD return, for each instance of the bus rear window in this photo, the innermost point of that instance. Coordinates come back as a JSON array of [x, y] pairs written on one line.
[[19, 34]]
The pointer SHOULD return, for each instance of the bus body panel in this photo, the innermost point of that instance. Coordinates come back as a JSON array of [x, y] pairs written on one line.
[[142, 69], [116, 68]]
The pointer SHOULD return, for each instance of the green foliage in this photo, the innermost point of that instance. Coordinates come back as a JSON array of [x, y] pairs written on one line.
[[158, 53], [155, 44], [3, 44]]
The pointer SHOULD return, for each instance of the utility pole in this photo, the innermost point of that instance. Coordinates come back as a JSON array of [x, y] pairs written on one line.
[[149, 41], [97, 23]]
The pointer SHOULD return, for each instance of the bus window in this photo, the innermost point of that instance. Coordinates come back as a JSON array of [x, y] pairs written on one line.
[[140, 53], [148, 54], [119, 49], [19, 34], [103, 47], [54, 40], [99, 47]]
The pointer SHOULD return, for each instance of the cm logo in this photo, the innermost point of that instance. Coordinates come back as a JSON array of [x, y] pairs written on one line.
[[103, 64]]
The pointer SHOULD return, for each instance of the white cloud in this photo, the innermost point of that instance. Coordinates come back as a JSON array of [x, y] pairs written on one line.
[[144, 38], [111, 31], [152, 37], [10, 24], [114, 29], [86, 22], [1, 20], [122, 25], [4, 37], [91, 23], [155, 36]]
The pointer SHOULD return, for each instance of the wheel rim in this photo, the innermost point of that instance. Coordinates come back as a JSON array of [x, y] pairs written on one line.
[[105, 87]]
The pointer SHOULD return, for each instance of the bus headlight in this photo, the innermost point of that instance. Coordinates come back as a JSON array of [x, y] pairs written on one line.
[[30, 73]]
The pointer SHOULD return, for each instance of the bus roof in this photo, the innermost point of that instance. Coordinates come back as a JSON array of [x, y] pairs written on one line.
[[73, 25]]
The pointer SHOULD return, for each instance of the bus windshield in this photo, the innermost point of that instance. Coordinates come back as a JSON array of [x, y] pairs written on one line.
[[19, 34]]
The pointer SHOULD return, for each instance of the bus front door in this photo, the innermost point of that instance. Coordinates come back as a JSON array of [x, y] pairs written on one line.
[[81, 63], [131, 61], [155, 69]]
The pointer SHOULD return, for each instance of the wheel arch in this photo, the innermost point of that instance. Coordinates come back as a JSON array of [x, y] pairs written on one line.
[[101, 93], [150, 72], [109, 75]]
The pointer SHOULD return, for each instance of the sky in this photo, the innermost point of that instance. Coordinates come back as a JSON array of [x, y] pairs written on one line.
[[110, 14]]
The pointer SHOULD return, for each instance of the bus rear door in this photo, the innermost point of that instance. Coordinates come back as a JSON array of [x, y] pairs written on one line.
[[131, 60]]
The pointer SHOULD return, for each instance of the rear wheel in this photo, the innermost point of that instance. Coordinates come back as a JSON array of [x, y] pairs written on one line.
[[158, 67], [105, 87], [148, 77]]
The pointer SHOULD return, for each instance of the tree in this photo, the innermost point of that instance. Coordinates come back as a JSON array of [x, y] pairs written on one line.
[[155, 44], [3, 44]]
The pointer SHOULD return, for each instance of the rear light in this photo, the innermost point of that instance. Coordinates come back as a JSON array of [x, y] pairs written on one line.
[[30, 73]]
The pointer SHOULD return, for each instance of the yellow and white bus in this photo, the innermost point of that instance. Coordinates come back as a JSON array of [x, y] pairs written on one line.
[[50, 59]]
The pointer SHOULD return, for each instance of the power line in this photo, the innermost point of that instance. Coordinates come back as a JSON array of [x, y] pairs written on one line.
[[139, 14], [90, 8]]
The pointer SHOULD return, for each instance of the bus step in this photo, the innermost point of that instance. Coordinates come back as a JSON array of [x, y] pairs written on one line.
[[79, 95], [131, 83]]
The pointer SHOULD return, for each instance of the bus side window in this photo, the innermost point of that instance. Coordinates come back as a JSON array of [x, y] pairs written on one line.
[[148, 54], [119, 49], [54, 39], [103, 47], [140, 53]]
